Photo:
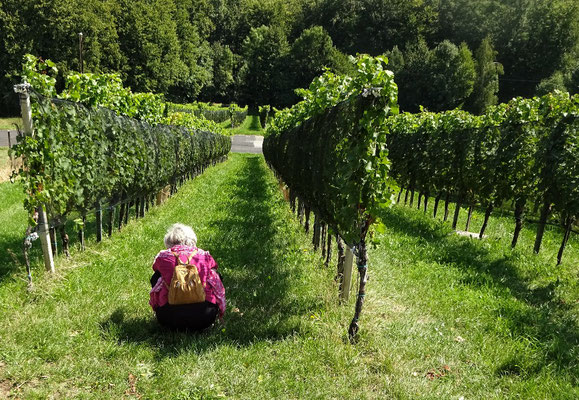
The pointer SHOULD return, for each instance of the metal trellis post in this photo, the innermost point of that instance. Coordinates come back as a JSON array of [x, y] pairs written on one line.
[[23, 91]]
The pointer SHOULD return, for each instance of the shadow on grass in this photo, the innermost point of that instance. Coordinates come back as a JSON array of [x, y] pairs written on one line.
[[255, 125], [257, 278], [12, 233], [547, 320], [11, 258]]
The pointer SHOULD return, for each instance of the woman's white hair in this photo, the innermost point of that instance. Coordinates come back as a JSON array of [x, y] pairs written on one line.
[[179, 234]]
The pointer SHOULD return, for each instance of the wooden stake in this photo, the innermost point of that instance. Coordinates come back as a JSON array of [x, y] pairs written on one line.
[[137, 208], [541, 228], [44, 234], [316, 238], [488, 213], [111, 220], [99, 222], [341, 261], [81, 233], [519, 216], [64, 238], [323, 241], [456, 213], [53, 241], [347, 282], [436, 201], [446, 202], [329, 250], [143, 206], [127, 211], [468, 218], [122, 212]]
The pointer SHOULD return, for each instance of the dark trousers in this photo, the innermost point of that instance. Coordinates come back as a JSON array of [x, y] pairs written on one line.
[[193, 317]]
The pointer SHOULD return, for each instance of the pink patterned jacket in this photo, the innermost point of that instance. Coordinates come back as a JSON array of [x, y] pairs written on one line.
[[165, 263]]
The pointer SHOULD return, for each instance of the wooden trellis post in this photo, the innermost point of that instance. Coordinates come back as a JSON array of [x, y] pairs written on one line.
[[347, 278], [23, 91]]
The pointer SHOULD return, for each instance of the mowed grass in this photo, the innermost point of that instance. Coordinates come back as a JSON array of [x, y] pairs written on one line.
[[8, 123], [445, 316], [462, 317], [251, 126]]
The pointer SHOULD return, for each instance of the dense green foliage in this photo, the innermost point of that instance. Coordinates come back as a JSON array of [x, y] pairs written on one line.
[[527, 147], [438, 79], [525, 152], [257, 52], [204, 111], [330, 149], [81, 155], [106, 90], [92, 90]]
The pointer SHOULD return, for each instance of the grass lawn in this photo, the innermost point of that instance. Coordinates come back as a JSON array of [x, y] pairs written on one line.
[[445, 316], [8, 123], [251, 126]]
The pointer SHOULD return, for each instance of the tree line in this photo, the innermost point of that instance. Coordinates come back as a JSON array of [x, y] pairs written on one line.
[[446, 53]]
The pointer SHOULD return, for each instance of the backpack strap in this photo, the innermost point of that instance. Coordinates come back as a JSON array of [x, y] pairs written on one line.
[[192, 255], [188, 258]]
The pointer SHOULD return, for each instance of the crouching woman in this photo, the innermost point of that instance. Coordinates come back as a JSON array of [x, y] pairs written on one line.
[[187, 292]]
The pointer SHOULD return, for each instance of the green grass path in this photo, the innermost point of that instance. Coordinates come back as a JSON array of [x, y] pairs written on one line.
[[87, 331], [251, 126], [445, 316]]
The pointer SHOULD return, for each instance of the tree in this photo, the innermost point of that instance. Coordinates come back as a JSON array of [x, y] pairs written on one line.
[[566, 78], [234, 19], [531, 36], [551, 84], [50, 29], [221, 86], [193, 26], [311, 54], [413, 77], [150, 43], [373, 26], [439, 79], [263, 77], [452, 76], [486, 84]]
